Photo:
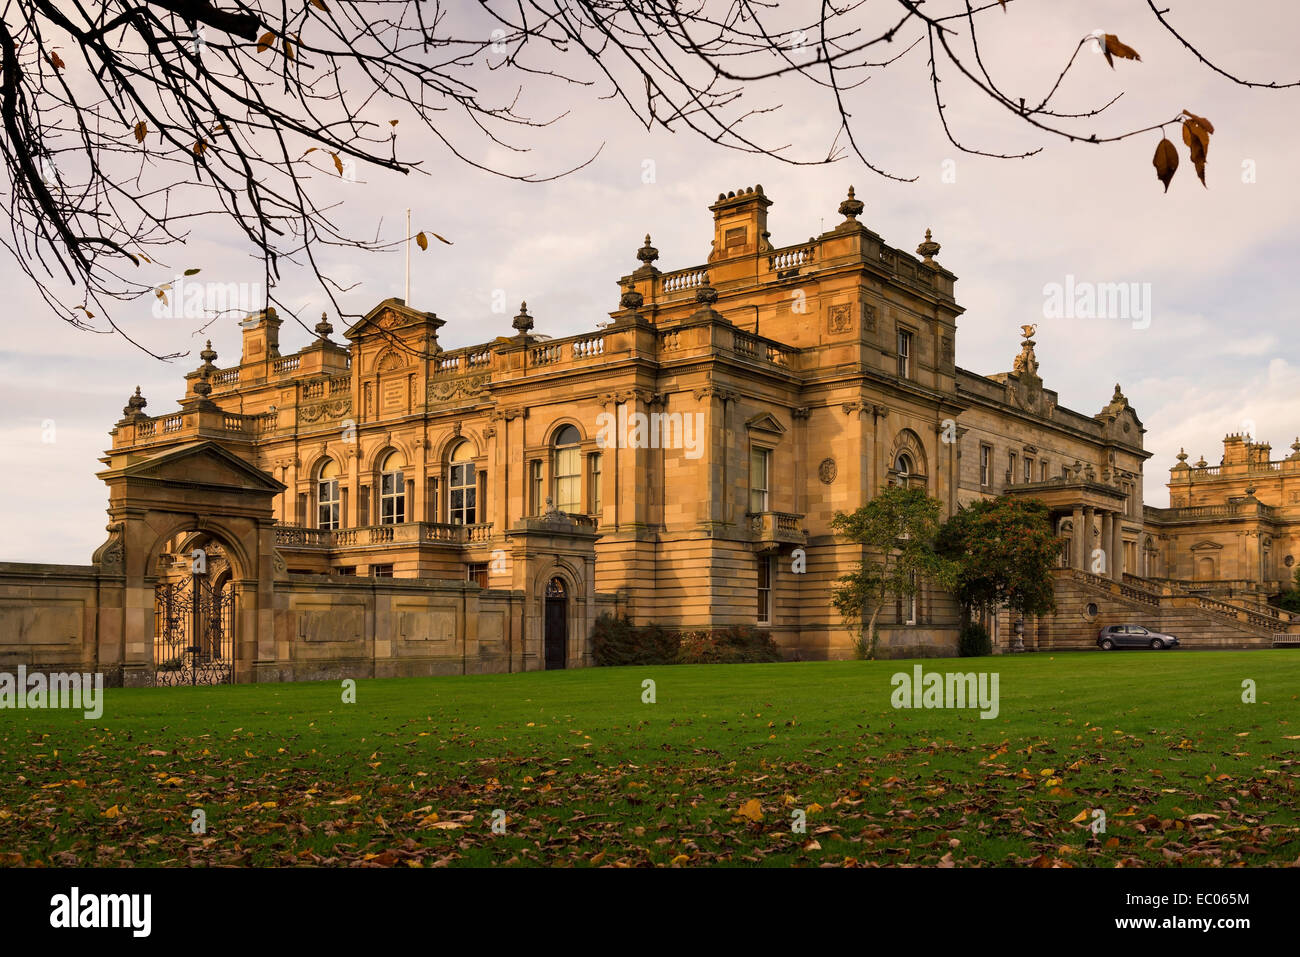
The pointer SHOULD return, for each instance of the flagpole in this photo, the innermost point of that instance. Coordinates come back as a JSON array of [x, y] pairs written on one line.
[[407, 298]]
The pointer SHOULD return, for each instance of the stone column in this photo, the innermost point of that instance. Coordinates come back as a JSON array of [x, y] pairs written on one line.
[[1086, 565], [1107, 519], [1117, 545], [1077, 539]]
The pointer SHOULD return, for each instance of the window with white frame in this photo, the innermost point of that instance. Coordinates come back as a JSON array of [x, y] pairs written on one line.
[[986, 465], [568, 470], [462, 486], [327, 495], [904, 353], [594, 495], [760, 466], [392, 490], [765, 590]]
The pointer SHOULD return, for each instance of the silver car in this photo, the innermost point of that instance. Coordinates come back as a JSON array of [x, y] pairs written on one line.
[[1133, 636]]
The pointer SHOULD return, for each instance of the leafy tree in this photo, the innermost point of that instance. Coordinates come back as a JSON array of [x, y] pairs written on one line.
[[125, 122], [1004, 550], [897, 529], [1289, 600]]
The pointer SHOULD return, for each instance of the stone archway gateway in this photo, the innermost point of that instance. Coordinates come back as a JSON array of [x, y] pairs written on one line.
[[556, 625], [192, 539]]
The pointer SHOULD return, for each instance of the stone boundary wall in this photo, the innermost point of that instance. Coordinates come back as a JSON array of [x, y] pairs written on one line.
[[63, 618]]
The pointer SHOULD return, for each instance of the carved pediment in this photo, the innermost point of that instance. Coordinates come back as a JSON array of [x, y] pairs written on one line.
[[766, 422], [394, 316], [199, 463]]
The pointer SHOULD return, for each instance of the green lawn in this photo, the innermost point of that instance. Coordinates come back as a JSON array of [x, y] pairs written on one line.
[[586, 773]]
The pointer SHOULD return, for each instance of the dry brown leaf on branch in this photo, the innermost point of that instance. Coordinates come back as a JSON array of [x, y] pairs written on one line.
[[141, 131], [338, 163], [1196, 134], [1165, 162], [421, 241], [265, 42], [1114, 47], [56, 61]]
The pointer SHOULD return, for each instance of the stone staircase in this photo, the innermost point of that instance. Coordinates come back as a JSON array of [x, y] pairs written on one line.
[[1087, 602]]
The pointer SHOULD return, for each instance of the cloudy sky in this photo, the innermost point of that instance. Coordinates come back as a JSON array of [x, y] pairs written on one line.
[[1217, 354]]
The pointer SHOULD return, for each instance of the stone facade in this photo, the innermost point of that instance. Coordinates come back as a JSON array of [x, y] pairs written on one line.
[[1233, 529], [391, 507]]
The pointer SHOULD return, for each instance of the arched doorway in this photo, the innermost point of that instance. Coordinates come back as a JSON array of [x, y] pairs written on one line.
[[556, 627], [194, 613]]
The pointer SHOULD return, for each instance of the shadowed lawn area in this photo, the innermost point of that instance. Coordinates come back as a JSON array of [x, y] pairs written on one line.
[[713, 772]]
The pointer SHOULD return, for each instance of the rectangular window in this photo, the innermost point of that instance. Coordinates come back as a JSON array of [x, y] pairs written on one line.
[[381, 571], [904, 353], [478, 573], [347, 570], [568, 479], [464, 492], [535, 486], [327, 504], [760, 461], [364, 503], [1011, 468], [765, 591], [986, 465], [595, 496], [1029, 469], [1042, 471], [392, 498]]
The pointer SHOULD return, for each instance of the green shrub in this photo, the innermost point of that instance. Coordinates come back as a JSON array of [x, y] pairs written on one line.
[[731, 645], [975, 641], [616, 641]]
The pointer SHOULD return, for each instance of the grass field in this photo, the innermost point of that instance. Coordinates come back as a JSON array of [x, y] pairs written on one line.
[[712, 772]]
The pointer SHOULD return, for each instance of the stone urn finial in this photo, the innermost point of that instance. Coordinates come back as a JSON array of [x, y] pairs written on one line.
[[1181, 456], [852, 207], [705, 294], [204, 386], [324, 327], [631, 300], [1201, 463], [523, 322], [647, 253], [135, 404], [928, 249]]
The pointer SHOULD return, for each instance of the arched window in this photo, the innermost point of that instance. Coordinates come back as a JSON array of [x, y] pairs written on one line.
[[568, 470], [903, 465], [392, 490], [327, 495], [462, 486]]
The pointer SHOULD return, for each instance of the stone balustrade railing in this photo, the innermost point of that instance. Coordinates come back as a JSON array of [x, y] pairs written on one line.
[[683, 279], [791, 257], [293, 536]]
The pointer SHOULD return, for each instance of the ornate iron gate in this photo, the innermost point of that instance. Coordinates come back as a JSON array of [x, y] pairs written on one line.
[[194, 632]]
